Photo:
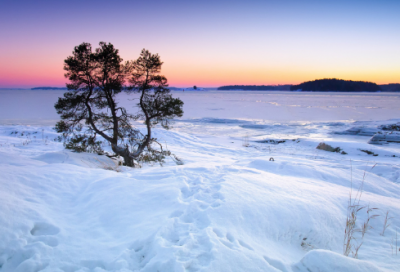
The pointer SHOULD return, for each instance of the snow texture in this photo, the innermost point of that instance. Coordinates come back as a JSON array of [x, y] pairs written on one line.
[[228, 208], [384, 138]]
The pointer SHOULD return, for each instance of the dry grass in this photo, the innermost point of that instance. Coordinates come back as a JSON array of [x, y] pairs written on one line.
[[352, 244], [394, 243], [113, 165], [245, 141], [177, 160], [386, 223]]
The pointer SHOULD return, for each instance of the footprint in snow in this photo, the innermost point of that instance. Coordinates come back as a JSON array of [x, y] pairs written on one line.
[[243, 244], [47, 240], [276, 264], [28, 257], [44, 232], [42, 228], [230, 241], [187, 192]]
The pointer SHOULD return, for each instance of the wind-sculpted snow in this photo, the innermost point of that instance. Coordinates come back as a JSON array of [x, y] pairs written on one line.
[[254, 193], [228, 208]]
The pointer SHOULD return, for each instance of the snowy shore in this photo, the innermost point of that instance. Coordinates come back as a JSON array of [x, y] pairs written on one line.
[[228, 208]]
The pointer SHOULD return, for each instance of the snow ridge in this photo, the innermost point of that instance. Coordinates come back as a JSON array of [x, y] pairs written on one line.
[[228, 208], [184, 240]]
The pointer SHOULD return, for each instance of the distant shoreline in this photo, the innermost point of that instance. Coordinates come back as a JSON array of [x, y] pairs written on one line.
[[216, 89], [319, 85]]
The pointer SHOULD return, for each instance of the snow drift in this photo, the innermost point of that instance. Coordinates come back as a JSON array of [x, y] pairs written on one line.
[[228, 208]]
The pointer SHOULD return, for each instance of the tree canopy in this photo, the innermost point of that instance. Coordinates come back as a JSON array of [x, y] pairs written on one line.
[[336, 85], [89, 108]]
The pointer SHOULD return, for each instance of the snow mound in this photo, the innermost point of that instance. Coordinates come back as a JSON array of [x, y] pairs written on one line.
[[384, 138], [228, 208], [322, 260], [360, 131], [80, 159]]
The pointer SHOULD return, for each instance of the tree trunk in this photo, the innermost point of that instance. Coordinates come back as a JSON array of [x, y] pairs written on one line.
[[124, 153]]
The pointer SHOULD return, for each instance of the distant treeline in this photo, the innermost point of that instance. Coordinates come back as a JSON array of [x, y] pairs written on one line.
[[49, 88], [393, 87], [336, 85], [255, 87], [320, 85]]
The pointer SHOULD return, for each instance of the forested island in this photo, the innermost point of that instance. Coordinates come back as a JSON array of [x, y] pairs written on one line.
[[319, 85], [336, 85], [393, 87], [255, 88]]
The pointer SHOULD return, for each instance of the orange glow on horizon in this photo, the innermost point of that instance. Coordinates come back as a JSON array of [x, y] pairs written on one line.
[[181, 74], [210, 43], [207, 80]]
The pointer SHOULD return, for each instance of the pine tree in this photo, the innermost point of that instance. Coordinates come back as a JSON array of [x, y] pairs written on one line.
[[89, 108]]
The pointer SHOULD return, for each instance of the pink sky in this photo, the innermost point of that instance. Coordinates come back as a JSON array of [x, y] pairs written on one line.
[[208, 43]]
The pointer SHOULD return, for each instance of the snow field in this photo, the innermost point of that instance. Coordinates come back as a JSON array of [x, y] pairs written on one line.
[[228, 208]]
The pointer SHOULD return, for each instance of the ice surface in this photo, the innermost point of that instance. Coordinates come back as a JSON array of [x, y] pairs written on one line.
[[28, 107], [228, 208]]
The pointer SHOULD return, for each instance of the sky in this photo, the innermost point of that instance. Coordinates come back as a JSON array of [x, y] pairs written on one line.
[[207, 43]]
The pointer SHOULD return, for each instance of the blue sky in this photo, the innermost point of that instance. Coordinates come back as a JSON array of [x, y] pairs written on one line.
[[207, 43]]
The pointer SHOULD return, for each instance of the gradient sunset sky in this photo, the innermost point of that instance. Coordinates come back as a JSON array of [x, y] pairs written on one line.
[[207, 43]]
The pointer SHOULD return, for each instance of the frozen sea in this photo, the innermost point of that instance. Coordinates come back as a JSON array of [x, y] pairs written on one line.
[[25, 106], [230, 207]]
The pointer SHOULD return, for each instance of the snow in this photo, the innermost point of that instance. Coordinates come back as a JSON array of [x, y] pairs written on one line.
[[387, 137], [228, 208]]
